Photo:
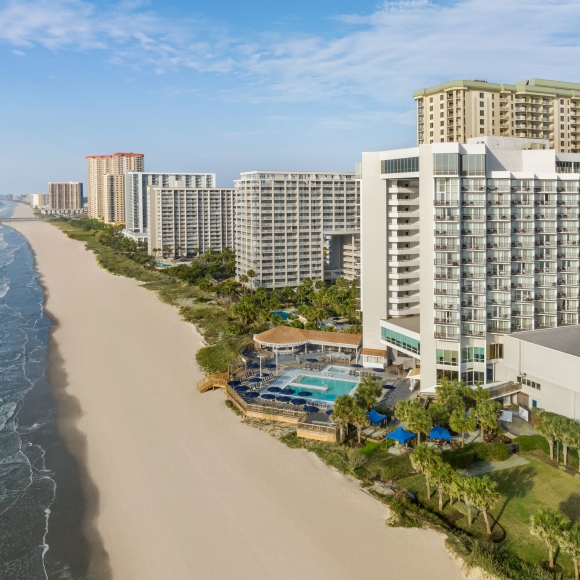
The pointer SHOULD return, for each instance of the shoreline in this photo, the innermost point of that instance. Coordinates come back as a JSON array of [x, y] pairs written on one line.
[[216, 473], [68, 413]]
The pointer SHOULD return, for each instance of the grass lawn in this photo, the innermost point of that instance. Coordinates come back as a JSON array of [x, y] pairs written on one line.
[[523, 491]]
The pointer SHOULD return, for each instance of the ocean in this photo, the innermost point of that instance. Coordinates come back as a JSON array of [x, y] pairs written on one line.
[[42, 506]]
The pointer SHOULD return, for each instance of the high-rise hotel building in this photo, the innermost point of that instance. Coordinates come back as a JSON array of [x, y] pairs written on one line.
[[105, 192], [184, 221], [463, 244], [539, 109], [136, 184], [282, 220], [65, 195]]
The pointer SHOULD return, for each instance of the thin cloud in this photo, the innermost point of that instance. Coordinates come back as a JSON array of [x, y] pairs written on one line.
[[381, 58]]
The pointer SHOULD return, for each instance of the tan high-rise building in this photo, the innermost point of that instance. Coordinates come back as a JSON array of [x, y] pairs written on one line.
[[105, 184], [65, 195], [536, 109]]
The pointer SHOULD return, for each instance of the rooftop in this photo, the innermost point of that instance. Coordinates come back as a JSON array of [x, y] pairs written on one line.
[[287, 335], [565, 339], [411, 323], [541, 86]]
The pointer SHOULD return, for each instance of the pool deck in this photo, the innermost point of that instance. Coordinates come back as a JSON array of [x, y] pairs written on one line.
[[290, 375]]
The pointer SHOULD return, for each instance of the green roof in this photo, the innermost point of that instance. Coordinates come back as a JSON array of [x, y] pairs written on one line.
[[531, 86]]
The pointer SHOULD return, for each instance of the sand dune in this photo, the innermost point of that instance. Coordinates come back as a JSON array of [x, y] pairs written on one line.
[[184, 489]]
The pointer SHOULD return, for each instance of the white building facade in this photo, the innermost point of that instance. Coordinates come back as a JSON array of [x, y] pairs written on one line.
[[282, 220], [462, 245], [186, 222], [135, 184]]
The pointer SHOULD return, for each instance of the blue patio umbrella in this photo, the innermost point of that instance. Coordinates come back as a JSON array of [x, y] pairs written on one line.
[[234, 383], [375, 418], [270, 366], [378, 370], [439, 432], [268, 396], [274, 389], [255, 380], [356, 366], [299, 401], [253, 366], [330, 411], [283, 399], [312, 360], [401, 435], [288, 391], [311, 409], [241, 388], [305, 394], [251, 395], [390, 387]]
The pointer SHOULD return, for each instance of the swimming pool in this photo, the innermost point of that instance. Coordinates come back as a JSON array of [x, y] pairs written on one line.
[[324, 388], [282, 313]]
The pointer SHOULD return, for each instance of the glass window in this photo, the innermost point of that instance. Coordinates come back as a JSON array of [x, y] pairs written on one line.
[[405, 165], [447, 357], [473, 165], [446, 163]]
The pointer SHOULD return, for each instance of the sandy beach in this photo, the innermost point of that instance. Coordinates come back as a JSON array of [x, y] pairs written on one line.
[[180, 489]]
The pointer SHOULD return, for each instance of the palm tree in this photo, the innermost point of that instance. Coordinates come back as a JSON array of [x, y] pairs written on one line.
[[468, 492], [551, 428], [367, 392], [404, 408], [420, 421], [568, 437], [570, 543], [442, 477], [461, 422], [479, 394], [548, 525], [424, 459], [455, 489], [483, 495], [359, 419], [251, 275], [574, 440], [488, 413], [342, 412]]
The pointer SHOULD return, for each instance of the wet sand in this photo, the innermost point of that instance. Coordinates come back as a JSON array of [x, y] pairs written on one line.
[[178, 487]]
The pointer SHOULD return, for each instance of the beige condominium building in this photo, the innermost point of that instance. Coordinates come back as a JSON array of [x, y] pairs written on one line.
[[536, 109], [291, 226], [106, 196], [65, 195], [463, 246], [184, 221]]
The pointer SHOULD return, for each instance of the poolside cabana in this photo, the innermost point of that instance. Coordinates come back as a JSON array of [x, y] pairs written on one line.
[[289, 340]]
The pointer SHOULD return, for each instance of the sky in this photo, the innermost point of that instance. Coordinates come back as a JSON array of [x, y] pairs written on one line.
[[238, 85]]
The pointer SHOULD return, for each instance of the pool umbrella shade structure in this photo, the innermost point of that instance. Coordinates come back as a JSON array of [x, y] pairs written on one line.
[[401, 435], [241, 389], [274, 390], [375, 418], [311, 360], [390, 387], [439, 432], [255, 380], [288, 391], [356, 366], [311, 409], [330, 411], [283, 399], [253, 366], [270, 366], [252, 395], [234, 383], [378, 370], [305, 394], [299, 402], [268, 396]]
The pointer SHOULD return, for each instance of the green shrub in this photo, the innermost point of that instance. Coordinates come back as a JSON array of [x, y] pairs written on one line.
[[463, 458], [498, 451], [292, 440], [532, 442], [395, 467]]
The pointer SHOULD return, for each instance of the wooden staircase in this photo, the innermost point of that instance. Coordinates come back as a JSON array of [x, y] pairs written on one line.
[[217, 381]]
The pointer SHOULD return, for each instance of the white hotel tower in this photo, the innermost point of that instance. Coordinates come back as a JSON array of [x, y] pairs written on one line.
[[291, 226], [463, 244]]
